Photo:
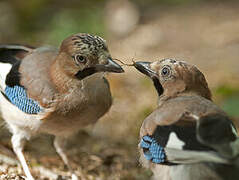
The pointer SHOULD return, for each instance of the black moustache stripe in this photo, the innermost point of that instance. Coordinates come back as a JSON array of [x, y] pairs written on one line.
[[85, 72], [158, 86]]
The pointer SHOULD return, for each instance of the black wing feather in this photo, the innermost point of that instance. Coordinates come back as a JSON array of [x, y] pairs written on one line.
[[12, 54]]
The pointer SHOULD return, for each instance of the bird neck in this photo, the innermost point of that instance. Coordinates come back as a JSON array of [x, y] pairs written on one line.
[[61, 79]]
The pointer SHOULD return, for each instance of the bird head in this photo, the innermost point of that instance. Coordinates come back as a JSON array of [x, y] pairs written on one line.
[[82, 55], [172, 77]]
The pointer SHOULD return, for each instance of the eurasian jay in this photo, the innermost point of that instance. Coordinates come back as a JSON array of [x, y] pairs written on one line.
[[187, 137], [58, 92]]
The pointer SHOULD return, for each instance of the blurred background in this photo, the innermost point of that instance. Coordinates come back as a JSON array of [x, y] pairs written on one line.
[[202, 32]]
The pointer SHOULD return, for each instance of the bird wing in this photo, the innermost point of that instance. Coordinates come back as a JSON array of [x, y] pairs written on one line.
[[23, 77], [10, 55], [35, 75], [218, 132], [169, 137], [171, 111]]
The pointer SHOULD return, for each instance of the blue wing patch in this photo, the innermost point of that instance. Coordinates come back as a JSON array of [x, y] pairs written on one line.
[[17, 95], [152, 150]]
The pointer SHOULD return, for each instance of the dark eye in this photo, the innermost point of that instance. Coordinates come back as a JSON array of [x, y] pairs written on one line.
[[80, 59], [166, 71]]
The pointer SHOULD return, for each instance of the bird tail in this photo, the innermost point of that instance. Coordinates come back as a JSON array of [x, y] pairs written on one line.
[[9, 55]]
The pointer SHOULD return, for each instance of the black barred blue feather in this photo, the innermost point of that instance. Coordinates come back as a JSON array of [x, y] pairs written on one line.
[[152, 150], [17, 95]]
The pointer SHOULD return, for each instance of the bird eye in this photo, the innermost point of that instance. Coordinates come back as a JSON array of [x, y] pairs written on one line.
[[166, 71], [80, 59]]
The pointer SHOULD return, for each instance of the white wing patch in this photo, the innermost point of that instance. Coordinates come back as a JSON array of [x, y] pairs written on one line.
[[4, 70], [174, 141], [234, 131]]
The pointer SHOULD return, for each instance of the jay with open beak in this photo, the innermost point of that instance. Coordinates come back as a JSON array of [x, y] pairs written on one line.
[[54, 91], [187, 137]]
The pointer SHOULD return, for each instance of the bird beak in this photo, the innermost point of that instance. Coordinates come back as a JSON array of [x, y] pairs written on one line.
[[111, 66], [144, 67]]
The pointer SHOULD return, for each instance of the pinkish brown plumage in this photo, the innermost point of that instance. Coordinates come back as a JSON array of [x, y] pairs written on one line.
[[187, 136], [65, 90]]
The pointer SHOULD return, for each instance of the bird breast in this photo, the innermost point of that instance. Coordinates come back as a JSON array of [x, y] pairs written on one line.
[[78, 108]]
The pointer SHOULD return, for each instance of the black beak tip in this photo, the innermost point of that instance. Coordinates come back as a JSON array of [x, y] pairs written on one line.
[[112, 66], [142, 66], [120, 70]]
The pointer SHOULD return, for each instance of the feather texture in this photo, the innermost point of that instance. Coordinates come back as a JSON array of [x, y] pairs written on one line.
[[187, 129], [17, 95], [49, 90]]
